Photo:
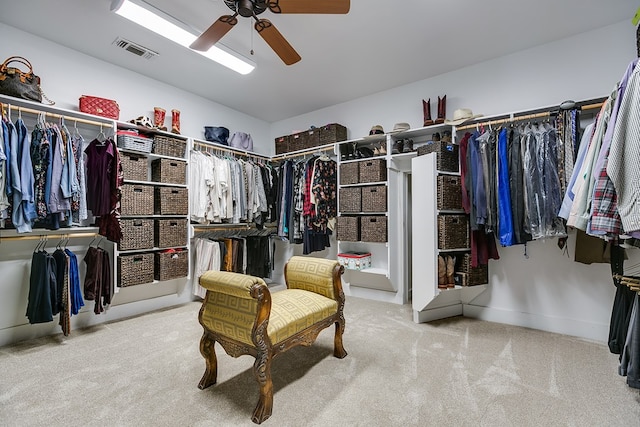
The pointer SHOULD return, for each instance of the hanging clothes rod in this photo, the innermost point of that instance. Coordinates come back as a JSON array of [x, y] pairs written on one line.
[[302, 153], [49, 236], [20, 109], [213, 227], [215, 147]]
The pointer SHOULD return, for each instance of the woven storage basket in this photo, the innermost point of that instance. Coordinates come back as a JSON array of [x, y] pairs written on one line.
[[373, 228], [171, 201], [136, 234], [472, 275], [349, 173], [168, 146], [453, 231], [136, 200], [374, 170], [350, 199], [170, 233], [134, 167], [332, 133], [449, 192], [171, 265], [348, 228], [312, 138], [135, 269], [374, 198], [471, 279], [169, 171], [282, 144], [297, 141], [447, 155], [136, 143]]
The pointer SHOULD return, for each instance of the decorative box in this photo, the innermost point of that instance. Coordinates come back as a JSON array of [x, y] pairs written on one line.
[[355, 260]]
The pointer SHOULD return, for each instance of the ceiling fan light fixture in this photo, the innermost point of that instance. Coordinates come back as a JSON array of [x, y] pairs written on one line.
[[164, 26]]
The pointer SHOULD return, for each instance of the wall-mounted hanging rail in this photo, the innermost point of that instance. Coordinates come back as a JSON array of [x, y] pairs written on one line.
[[210, 146]]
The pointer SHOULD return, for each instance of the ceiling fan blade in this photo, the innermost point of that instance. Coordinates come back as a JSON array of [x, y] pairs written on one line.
[[309, 6], [278, 43], [214, 33]]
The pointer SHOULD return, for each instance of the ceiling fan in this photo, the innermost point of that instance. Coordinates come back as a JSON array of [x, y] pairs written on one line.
[[264, 27]]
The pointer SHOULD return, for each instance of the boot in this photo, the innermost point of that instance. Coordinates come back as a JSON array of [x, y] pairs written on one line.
[[158, 118], [397, 147], [442, 109], [175, 121], [442, 273], [408, 146], [451, 267], [426, 111]]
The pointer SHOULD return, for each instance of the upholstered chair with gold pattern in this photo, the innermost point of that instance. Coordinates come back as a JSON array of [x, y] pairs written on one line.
[[244, 317]]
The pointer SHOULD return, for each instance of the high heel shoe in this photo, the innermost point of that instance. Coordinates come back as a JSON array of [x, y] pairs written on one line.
[[383, 149]]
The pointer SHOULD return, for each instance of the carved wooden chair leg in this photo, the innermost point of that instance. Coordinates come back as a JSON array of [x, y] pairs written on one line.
[[262, 372], [338, 348], [209, 353]]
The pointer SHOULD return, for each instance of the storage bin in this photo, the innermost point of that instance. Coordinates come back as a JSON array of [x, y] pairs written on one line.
[[170, 233], [374, 198], [282, 144], [168, 146], [137, 199], [350, 199], [332, 133], [453, 232], [134, 167], [134, 142], [449, 192], [349, 173], [447, 155], [348, 228], [373, 228], [355, 260], [171, 201], [169, 171], [373, 170], [171, 265], [470, 276], [135, 269], [136, 234], [312, 138], [297, 141]]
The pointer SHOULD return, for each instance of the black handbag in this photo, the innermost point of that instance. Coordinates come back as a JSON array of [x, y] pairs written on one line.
[[217, 134], [20, 84]]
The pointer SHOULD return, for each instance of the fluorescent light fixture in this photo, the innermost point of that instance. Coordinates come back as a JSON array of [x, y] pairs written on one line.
[[172, 31]]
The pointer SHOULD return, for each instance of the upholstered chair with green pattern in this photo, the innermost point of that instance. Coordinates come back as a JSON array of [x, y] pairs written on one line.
[[241, 314]]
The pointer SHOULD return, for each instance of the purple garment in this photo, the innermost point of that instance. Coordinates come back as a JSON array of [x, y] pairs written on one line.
[[99, 166]]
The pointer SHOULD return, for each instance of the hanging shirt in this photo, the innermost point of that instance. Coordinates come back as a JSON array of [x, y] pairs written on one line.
[[24, 211], [505, 221], [99, 160]]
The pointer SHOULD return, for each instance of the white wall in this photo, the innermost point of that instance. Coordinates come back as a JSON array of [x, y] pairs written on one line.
[[546, 290]]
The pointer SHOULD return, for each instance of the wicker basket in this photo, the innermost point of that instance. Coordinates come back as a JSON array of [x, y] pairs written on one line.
[[170, 233], [350, 199], [282, 144], [349, 173], [136, 143], [136, 234], [373, 228], [447, 155], [449, 192], [348, 228], [171, 201], [332, 133], [477, 275], [312, 138], [136, 200], [374, 198], [297, 141], [171, 265], [471, 279], [135, 269], [453, 231], [374, 170], [169, 171], [168, 146], [134, 167]]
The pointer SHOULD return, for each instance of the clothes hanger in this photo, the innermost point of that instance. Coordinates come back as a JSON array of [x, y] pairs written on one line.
[[101, 138]]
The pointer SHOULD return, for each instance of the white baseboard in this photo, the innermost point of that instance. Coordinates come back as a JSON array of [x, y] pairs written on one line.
[[578, 328], [437, 313]]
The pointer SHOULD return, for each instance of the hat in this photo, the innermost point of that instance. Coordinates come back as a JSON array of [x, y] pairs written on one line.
[[376, 130], [400, 127], [461, 115]]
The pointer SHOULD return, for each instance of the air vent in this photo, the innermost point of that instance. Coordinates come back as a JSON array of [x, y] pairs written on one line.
[[134, 48]]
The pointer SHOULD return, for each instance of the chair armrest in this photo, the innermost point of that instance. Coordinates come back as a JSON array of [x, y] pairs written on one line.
[[318, 275], [229, 283]]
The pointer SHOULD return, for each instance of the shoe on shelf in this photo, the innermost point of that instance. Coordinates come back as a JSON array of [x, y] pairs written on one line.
[[408, 146], [383, 149], [397, 147], [451, 266], [442, 272], [376, 151]]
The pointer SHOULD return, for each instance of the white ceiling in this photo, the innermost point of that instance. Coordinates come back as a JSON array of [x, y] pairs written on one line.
[[378, 45]]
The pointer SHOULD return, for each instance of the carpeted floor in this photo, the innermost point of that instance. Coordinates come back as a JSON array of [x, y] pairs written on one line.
[[460, 372]]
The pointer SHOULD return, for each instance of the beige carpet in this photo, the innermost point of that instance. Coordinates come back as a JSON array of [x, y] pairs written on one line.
[[144, 371]]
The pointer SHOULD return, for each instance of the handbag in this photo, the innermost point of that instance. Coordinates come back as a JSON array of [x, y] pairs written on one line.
[[100, 107], [20, 84], [241, 141], [219, 134]]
